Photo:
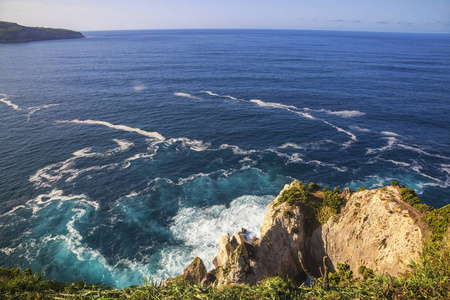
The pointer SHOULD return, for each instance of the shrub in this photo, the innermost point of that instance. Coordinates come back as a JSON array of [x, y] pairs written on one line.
[[394, 183], [332, 200], [313, 187], [337, 189], [361, 188], [439, 221], [297, 193], [366, 272], [409, 196]]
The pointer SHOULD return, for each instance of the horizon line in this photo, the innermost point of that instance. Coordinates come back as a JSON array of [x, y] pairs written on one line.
[[274, 29]]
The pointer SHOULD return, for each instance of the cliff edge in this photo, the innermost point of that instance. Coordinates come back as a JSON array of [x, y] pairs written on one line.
[[371, 228], [15, 33]]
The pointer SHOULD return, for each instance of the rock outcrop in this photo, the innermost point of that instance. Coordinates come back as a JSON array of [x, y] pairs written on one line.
[[14, 33], [374, 228], [195, 272]]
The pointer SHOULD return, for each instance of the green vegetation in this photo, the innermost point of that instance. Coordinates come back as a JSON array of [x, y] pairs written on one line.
[[366, 272], [13, 33], [429, 279], [361, 188], [437, 219], [332, 200], [313, 187], [295, 195], [318, 206], [409, 196], [7, 26]]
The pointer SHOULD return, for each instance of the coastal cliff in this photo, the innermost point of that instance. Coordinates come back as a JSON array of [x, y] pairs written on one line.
[[15, 33], [371, 229]]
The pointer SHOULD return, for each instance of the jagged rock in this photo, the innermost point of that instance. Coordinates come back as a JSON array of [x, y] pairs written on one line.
[[196, 272], [225, 250], [371, 229]]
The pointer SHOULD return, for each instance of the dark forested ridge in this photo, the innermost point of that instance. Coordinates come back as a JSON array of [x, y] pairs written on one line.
[[15, 33]]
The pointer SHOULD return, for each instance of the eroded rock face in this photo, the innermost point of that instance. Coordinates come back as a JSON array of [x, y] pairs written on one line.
[[374, 228], [195, 272]]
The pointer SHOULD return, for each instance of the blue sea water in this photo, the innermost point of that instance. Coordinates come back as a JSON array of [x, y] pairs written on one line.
[[126, 154]]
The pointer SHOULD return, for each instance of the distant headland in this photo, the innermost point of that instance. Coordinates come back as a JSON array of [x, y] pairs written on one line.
[[15, 33]]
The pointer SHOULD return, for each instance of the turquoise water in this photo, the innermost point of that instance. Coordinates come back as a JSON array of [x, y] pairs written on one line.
[[126, 154]]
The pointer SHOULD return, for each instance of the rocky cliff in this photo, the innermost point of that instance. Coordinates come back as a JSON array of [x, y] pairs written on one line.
[[14, 33], [374, 228]]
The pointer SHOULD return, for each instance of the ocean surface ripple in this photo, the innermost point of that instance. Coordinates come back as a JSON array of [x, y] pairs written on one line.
[[125, 155]]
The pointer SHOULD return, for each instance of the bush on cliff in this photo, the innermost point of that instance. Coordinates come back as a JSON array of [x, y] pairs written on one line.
[[332, 200]]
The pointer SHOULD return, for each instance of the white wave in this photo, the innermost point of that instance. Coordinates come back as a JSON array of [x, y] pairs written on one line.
[[418, 170], [9, 103], [138, 86], [43, 200], [187, 96], [344, 113], [305, 146], [139, 156], [293, 158], [31, 110], [391, 142], [399, 163], [351, 135], [154, 135], [75, 173], [34, 109], [124, 145], [292, 145], [237, 150], [201, 228], [211, 93], [418, 150], [182, 181], [445, 168], [390, 133], [55, 172], [358, 128], [195, 145], [290, 108], [323, 164], [232, 98], [222, 96]]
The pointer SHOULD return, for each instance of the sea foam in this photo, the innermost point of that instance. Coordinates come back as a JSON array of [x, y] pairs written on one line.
[[154, 135], [201, 228], [186, 95]]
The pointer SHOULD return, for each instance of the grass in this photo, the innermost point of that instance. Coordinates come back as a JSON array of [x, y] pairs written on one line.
[[428, 278]]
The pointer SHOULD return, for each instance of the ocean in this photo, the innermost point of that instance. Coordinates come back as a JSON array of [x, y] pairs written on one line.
[[126, 154]]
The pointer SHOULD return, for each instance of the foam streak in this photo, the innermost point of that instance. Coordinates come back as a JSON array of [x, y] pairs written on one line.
[[154, 135], [186, 95]]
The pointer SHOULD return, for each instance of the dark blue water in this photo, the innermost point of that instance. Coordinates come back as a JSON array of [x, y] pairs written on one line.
[[126, 154]]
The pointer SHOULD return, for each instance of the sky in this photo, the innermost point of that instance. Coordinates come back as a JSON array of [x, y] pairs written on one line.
[[355, 15]]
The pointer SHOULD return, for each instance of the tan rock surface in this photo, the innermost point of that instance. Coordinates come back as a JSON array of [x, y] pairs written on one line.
[[374, 228]]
